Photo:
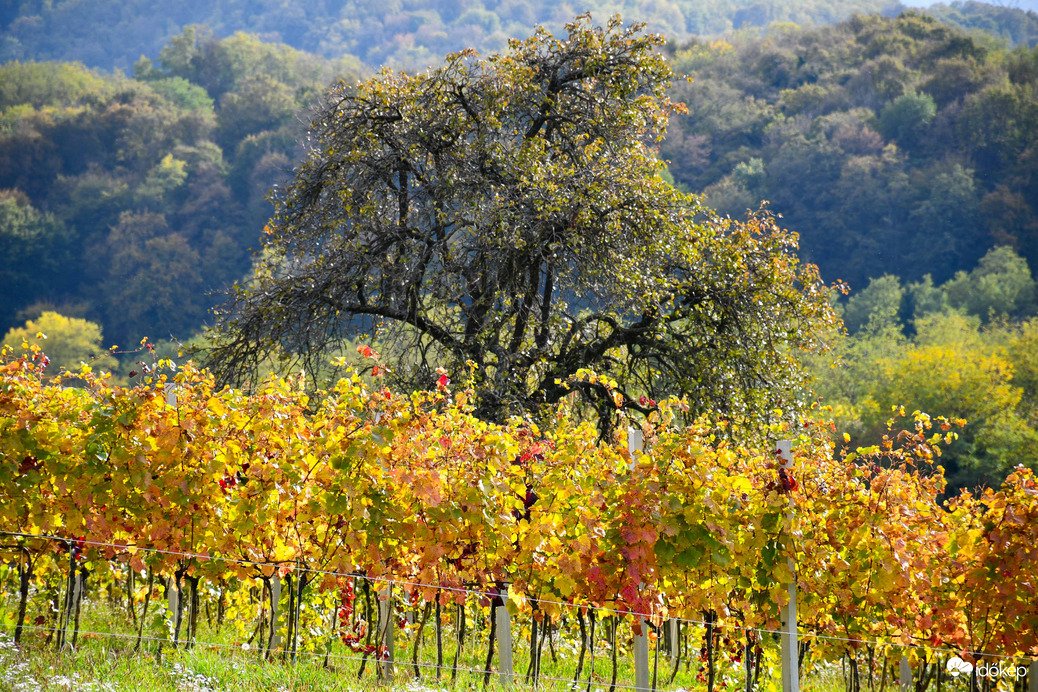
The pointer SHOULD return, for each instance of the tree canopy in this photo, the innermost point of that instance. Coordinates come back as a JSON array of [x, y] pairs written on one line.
[[961, 349], [406, 34], [891, 145], [68, 342], [507, 216]]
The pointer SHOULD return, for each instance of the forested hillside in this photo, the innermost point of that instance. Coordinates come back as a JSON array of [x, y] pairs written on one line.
[[127, 201], [1009, 21], [899, 146], [404, 33]]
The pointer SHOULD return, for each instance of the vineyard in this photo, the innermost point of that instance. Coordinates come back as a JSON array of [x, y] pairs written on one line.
[[296, 520]]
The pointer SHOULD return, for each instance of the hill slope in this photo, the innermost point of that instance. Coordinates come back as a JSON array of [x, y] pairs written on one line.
[[898, 146], [405, 33]]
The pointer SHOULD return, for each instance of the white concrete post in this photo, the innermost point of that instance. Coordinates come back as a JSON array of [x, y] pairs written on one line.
[[172, 599], [275, 611], [790, 650], [672, 628], [504, 640], [641, 656], [905, 675], [385, 630], [635, 442], [748, 665]]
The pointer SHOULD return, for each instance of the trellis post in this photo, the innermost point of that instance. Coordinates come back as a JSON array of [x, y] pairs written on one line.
[[641, 655], [905, 674], [790, 649], [635, 442], [673, 633], [504, 639], [385, 631], [275, 613], [172, 599], [1032, 677]]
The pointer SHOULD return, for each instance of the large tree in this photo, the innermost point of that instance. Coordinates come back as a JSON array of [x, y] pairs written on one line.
[[509, 214]]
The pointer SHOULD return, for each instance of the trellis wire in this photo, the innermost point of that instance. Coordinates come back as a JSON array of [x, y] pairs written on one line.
[[493, 594]]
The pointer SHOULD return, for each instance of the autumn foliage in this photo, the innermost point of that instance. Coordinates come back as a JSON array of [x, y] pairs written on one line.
[[417, 489]]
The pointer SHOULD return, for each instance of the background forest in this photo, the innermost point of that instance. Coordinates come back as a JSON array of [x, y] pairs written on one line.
[[139, 141], [417, 33]]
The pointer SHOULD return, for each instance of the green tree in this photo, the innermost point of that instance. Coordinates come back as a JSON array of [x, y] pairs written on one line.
[[37, 257], [258, 104], [1000, 285], [161, 181], [67, 341], [906, 118], [1022, 350], [183, 94], [48, 84], [926, 298], [197, 56], [154, 285], [509, 213], [951, 371], [878, 306]]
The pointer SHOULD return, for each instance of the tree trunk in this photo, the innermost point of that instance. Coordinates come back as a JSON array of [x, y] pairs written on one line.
[[24, 579], [533, 645], [591, 673], [130, 585], [490, 646], [66, 616], [461, 641], [583, 647], [261, 639], [439, 637], [418, 640], [551, 644], [368, 630], [144, 611], [708, 619], [853, 681], [192, 623], [80, 588], [612, 636], [300, 585], [545, 633], [178, 608], [656, 657], [677, 659]]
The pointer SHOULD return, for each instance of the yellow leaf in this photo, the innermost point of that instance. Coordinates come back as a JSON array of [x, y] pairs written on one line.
[[741, 484], [782, 573]]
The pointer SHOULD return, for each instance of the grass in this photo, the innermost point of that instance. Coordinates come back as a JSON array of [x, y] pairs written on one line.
[[104, 660]]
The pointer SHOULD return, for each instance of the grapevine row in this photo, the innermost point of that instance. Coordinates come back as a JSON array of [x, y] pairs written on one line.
[[415, 488]]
